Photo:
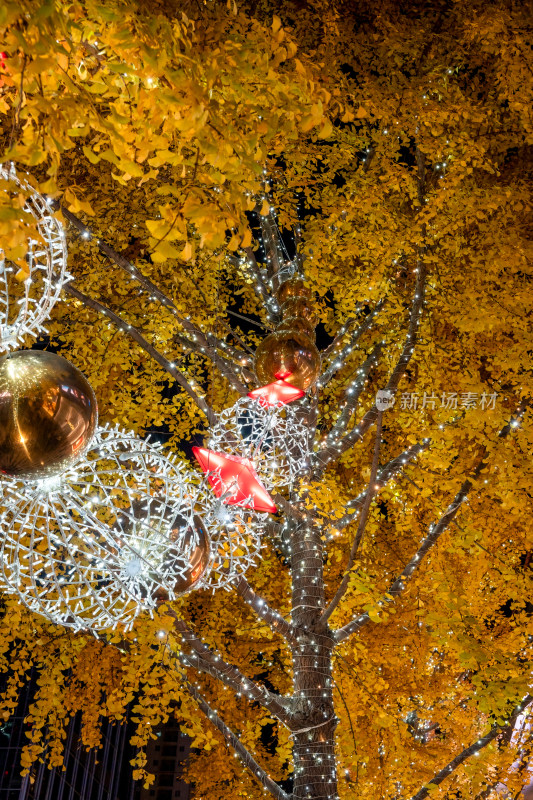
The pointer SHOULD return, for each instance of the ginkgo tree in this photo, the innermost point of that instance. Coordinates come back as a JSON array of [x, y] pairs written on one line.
[[381, 645]]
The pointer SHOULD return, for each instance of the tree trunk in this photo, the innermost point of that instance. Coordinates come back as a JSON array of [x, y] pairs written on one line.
[[313, 732]]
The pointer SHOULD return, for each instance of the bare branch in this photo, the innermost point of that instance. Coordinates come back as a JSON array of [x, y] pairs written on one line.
[[273, 618], [362, 427], [341, 357], [202, 342], [370, 493], [269, 301], [134, 334], [473, 749], [203, 658], [398, 585], [233, 740], [352, 394], [389, 471]]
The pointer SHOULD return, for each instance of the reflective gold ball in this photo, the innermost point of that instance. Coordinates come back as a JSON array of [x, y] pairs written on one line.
[[48, 414], [298, 324], [294, 287], [288, 351], [197, 564], [299, 307]]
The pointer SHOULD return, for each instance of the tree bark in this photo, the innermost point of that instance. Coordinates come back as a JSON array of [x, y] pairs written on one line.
[[313, 731]]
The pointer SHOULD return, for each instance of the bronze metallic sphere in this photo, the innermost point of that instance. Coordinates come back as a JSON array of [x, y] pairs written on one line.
[[294, 287], [48, 414], [299, 307], [298, 324], [197, 564], [288, 351]]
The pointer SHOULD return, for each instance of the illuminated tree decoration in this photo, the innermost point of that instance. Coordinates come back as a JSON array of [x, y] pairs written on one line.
[[28, 293], [237, 536], [92, 549], [275, 439], [48, 414], [278, 393], [234, 480]]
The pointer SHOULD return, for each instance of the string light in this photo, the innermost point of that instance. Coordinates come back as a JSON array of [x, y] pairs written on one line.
[[28, 294]]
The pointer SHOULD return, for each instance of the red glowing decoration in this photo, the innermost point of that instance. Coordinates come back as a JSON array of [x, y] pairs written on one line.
[[278, 393], [234, 479]]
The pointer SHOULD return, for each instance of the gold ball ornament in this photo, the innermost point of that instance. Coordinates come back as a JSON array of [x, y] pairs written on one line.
[[48, 414], [198, 560], [298, 324], [288, 351], [299, 307], [294, 287]]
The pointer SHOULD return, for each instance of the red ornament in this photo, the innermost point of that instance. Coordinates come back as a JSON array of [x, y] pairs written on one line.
[[235, 478], [278, 393]]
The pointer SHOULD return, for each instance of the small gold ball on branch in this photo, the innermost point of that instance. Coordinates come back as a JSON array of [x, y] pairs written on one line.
[[298, 324], [288, 351], [299, 307], [294, 287], [48, 414]]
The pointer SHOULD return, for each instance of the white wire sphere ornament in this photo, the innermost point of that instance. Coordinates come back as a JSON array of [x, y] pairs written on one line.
[[237, 536], [28, 296], [97, 546], [273, 438]]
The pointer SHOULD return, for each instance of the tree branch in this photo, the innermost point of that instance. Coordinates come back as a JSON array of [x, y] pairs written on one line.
[[207, 343], [340, 336], [271, 241], [398, 585], [207, 347], [204, 659], [134, 334], [291, 510], [347, 349], [370, 493], [361, 428], [389, 471], [352, 394], [232, 739], [435, 531], [273, 618], [473, 749], [270, 304]]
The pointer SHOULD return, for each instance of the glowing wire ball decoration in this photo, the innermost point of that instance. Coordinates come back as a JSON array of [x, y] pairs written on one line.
[[28, 294], [274, 439], [237, 536], [92, 549]]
